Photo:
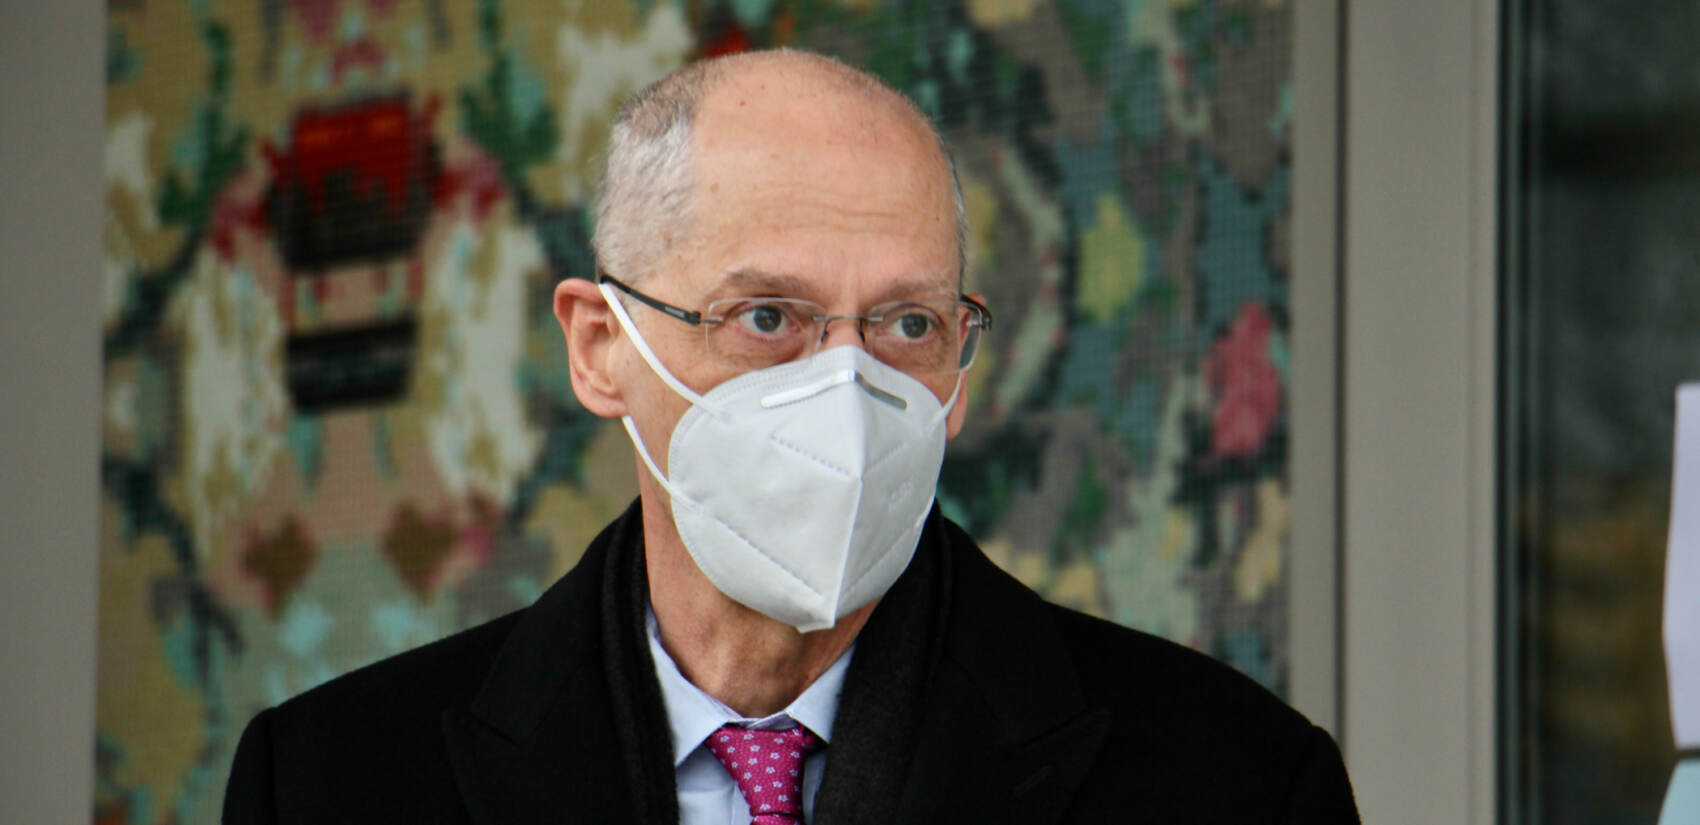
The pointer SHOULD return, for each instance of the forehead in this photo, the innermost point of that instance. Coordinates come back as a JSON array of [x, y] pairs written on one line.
[[837, 190]]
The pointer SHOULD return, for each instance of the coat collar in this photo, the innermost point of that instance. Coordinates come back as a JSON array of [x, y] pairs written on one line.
[[542, 741], [999, 736], [1008, 735]]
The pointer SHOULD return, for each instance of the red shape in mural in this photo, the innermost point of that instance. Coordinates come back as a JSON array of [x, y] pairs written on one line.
[[318, 17], [727, 38], [343, 160], [1246, 384], [472, 174], [356, 185], [359, 54], [240, 207]]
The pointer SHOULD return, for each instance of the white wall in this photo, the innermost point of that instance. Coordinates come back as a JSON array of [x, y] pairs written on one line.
[[1417, 471], [51, 144], [1313, 604]]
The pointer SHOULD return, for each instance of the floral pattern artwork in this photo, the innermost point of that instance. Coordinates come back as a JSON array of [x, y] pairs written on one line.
[[337, 422]]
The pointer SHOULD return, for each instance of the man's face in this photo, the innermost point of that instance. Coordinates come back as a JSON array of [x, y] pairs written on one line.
[[804, 193]]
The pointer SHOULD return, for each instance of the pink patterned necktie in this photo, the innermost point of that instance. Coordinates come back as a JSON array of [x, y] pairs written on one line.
[[768, 767]]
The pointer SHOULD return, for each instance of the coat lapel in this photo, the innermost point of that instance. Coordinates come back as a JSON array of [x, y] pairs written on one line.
[[1002, 738], [541, 741], [1007, 735]]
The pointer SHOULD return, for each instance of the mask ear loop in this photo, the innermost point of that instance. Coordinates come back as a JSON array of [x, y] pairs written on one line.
[[625, 321], [648, 354], [955, 395]]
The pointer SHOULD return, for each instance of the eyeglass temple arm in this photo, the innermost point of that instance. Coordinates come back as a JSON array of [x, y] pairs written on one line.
[[984, 312], [688, 316]]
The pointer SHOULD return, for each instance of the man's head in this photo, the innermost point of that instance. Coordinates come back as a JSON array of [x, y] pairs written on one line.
[[774, 173], [811, 196]]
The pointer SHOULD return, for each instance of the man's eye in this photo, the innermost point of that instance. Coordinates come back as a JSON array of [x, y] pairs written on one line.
[[913, 325], [766, 319]]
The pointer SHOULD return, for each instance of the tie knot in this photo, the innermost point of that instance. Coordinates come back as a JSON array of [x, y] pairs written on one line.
[[768, 767]]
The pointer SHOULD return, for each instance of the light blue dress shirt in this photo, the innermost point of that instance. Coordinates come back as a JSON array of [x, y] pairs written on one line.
[[707, 794], [1682, 801]]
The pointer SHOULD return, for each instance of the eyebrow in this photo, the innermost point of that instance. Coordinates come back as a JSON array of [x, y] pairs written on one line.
[[776, 284], [758, 282]]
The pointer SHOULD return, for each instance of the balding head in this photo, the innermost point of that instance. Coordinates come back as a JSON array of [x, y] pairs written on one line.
[[648, 197]]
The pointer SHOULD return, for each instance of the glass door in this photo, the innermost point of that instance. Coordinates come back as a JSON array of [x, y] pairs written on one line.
[[1600, 320]]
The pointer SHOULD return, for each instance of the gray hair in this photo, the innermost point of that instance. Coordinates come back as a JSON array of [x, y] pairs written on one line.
[[645, 202]]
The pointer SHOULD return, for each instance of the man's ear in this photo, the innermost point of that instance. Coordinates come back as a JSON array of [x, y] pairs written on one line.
[[591, 331], [959, 413]]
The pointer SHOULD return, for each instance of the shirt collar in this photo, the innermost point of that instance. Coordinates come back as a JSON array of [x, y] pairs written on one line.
[[693, 714]]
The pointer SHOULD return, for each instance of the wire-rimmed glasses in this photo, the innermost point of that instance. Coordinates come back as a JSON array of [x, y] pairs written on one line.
[[917, 337]]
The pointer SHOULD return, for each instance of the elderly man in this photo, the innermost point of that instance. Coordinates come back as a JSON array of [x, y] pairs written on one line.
[[783, 628]]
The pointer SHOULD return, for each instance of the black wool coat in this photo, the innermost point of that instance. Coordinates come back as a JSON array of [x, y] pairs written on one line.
[[969, 700]]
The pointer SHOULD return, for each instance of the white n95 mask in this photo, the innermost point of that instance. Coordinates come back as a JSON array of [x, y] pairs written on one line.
[[801, 489]]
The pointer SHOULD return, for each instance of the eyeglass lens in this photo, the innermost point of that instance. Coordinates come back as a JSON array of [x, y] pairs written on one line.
[[917, 337]]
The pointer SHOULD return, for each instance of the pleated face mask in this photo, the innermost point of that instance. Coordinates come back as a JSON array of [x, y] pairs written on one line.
[[800, 489]]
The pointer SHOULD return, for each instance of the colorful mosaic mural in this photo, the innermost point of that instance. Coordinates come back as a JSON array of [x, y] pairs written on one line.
[[337, 421]]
